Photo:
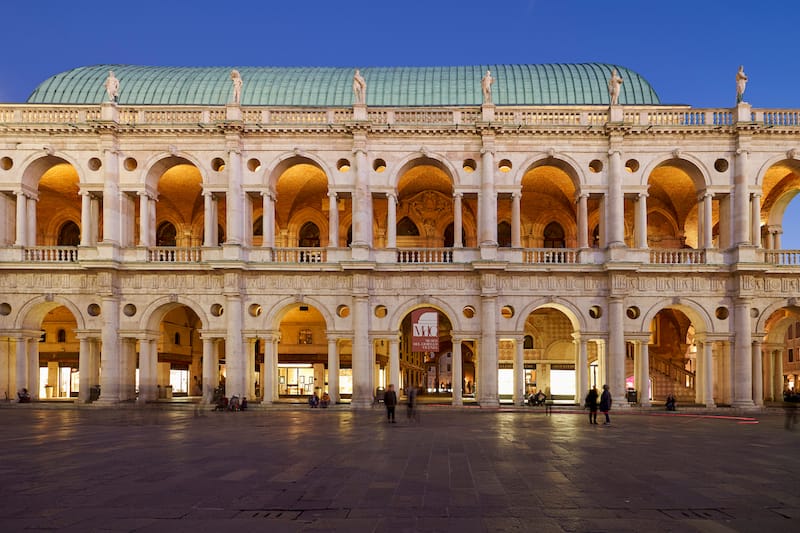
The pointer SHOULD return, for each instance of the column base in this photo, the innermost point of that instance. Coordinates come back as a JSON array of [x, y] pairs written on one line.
[[744, 404]]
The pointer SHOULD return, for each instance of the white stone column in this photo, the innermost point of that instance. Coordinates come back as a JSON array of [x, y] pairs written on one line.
[[519, 371], [362, 206], [708, 221], [458, 373], [487, 200], [641, 221], [333, 369], [270, 385], [778, 368], [235, 201], [85, 375], [581, 368], [391, 224], [210, 365], [708, 374], [31, 225], [755, 220], [778, 234], [33, 368], [333, 220], [741, 198], [145, 231], [615, 356], [516, 222], [22, 219], [362, 366], [268, 220], [250, 367], [148, 363], [458, 223], [209, 226], [583, 220], [235, 367], [644, 371], [758, 376], [127, 369], [615, 206], [111, 201], [487, 359], [86, 218], [110, 355], [21, 365], [394, 362], [743, 352]]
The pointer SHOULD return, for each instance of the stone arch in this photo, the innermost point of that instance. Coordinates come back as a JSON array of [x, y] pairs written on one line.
[[427, 158], [32, 312], [155, 312], [36, 165], [691, 165], [304, 215], [160, 163], [570, 310], [763, 317], [697, 314], [561, 161], [403, 309], [792, 163], [278, 166], [279, 309]]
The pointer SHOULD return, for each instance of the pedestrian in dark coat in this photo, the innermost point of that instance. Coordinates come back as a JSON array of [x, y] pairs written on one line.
[[390, 401], [605, 404], [591, 404]]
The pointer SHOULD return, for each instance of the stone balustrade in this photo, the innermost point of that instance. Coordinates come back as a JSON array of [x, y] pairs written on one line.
[[541, 116]]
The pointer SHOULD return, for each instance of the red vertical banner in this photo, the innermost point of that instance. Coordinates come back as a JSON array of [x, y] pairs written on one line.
[[425, 330]]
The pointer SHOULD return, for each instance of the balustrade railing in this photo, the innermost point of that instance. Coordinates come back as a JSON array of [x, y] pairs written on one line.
[[563, 116], [782, 257], [51, 254], [677, 256], [173, 254], [425, 255], [299, 255], [563, 256]]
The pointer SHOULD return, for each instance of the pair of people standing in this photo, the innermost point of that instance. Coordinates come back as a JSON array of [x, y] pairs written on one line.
[[390, 401], [604, 406]]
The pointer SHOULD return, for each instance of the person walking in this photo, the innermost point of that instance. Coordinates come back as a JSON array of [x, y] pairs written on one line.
[[605, 404], [390, 401], [591, 404]]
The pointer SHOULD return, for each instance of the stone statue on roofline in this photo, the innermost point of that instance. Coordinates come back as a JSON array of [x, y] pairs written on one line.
[[236, 78], [486, 87], [112, 87], [614, 86], [741, 83], [359, 89]]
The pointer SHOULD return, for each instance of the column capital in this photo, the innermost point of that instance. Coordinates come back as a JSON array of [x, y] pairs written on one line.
[[268, 194], [391, 196], [644, 195], [332, 194], [578, 195], [755, 195], [458, 194], [614, 151]]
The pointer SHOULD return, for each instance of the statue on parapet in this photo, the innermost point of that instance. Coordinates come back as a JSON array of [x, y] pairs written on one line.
[[359, 88], [741, 83], [486, 86], [112, 87], [614, 86], [236, 78]]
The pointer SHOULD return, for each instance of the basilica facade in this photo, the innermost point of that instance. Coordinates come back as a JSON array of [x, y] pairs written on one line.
[[275, 232]]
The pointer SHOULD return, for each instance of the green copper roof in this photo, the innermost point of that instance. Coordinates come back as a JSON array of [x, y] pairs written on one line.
[[553, 84]]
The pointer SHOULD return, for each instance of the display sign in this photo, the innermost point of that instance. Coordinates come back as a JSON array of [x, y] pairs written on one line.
[[425, 330]]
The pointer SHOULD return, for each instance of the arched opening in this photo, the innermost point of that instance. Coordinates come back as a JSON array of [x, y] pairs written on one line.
[[554, 236], [178, 368], [303, 355], [59, 356], [781, 355], [181, 205], [780, 207], [548, 197], [407, 228], [672, 206], [673, 359], [302, 197], [69, 234], [549, 358], [166, 235], [309, 236]]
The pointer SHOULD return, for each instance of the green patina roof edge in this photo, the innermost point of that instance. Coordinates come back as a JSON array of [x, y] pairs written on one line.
[[525, 84]]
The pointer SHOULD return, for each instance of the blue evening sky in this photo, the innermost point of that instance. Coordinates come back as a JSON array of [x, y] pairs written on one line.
[[689, 50]]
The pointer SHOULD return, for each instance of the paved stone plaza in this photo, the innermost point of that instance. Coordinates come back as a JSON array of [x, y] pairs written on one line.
[[293, 469]]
